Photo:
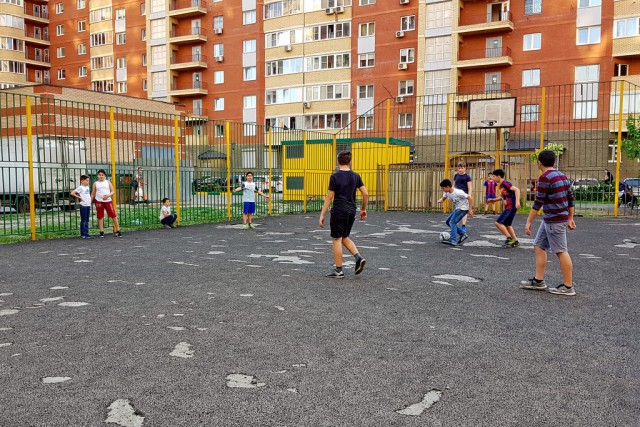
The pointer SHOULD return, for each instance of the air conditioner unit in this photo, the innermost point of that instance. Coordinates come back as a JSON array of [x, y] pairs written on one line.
[[219, 58], [218, 30], [307, 104], [404, 1], [402, 66], [340, 9], [399, 34], [400, 100], [287, 48], [329, 11]]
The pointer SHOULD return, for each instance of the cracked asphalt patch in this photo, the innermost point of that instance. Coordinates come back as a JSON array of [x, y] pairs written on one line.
[[212, 325]]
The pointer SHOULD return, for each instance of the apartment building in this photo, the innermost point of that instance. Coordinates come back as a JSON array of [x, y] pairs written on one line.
[[317, 64]]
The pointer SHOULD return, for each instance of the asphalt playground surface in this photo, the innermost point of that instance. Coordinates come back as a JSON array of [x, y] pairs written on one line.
[[212, 325]]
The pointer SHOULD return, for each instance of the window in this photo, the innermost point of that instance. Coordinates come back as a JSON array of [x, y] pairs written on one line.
[[588, 35], [82, 49], [81, 4], [218, 22], [82, 71], [158, 55], [439, 14], [532, 41], [532, 7], [60, 52], [158, 6], [585, 98], [59, 8], [121, 38], [283, 96], [143, 9], [405, 87], [122, 87], [99, 15], [328, 62], [158, 29], [218, 77], [326, 121], [529, 113], [367, 29], [613, 153], [159, 81], [366, 60], [438, 49], [282, 8], [408, 23], [407, 55], [144, 85], [405, 120], [144, 59], [621, 70], [121, 63], [101, 39], [365, 91], [82, 26], [248, 17], [249, 102], [589, 3], [218, 104], [102, 62], [60, 30], [9, 43], [367, 2], [102, 86], [283, 66], [14, 67], [531, 77], [249, 73], [249, 46], [319, 32], [628, 27], [12, 21], [218, 49], [143, 34], [365, 122], [327, 92], [120, 14], [62, 74]]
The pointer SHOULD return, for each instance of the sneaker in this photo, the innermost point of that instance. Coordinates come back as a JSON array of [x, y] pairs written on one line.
[[360, 265], [532, 284], [167, 226], [245, 227], [509, 241], [335, 274], [514, 244], [87, 237], [563, 290], [251, 226], [102, 234], [463, 237], [450, 242], [117, 234]]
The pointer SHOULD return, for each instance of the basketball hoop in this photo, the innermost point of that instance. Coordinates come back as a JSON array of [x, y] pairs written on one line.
[[488, 123]]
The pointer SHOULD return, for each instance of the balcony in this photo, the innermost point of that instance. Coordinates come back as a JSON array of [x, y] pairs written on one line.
[[626, 47], [503, 88], [489, 57], [197, 114], [37, 59], [38, 17], [194, 61], [187, 8], [37, 38], [187, 36], [488, 23], [194, 89]]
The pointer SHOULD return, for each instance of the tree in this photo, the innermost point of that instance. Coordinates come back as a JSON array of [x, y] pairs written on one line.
[[556, 148], [631, 144]]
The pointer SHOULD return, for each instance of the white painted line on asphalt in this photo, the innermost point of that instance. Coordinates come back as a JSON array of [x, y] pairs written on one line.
[[176, 328], [235, 260], [299, 365], [430, 399], [481, 244], [488, 256], [279, 372], [6, 294], [628, 244], [440, 282], [292, 390], [246, 295], [73, 304], [284, 259], [51, 299], [115, 281], [83, 260], [8, 312], [413, 242], [467, 279], [215, 253], [182, 350], [183, 263], [383, 268], [393, 289], [121, 412], [6, 344], [303, 251], [278, 307], [56, 288], [242, 381], [55, 380], [5, 329]]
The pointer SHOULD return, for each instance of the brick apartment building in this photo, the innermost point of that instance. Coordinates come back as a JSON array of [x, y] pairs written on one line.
[[315, 64]]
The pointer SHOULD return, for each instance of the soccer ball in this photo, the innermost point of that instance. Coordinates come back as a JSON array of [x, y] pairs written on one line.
[[445, 236]]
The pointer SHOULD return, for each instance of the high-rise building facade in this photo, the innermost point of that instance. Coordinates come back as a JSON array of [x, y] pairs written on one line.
[[315, 64]]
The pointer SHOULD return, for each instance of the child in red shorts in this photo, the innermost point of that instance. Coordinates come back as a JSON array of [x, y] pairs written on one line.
[[101, 196]]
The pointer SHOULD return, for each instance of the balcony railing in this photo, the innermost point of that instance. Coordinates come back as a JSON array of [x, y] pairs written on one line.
[[39, 36], [489, 17], [34, 56], [489, 87], [194, 57], [193, 85], [198, 112], [41, 14], [489, 52], [193, 31], [186, 4]]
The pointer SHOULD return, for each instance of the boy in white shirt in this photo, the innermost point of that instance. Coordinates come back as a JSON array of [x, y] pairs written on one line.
[[249, 191], [166, 217], [83, 193], [463, 205]]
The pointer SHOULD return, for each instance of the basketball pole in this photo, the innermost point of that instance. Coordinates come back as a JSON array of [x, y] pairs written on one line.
[[498, 159]]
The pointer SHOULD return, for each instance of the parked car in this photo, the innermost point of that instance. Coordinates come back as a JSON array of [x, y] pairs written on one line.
[[277, 184], [585, 183]]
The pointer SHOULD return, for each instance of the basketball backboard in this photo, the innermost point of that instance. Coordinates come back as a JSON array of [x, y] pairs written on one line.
[[492, 113]]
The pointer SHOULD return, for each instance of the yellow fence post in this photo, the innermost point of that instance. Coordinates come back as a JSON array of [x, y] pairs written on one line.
[[227, 139], [270, 166], [304, 171], [32, 195], [385, 179], [618, 151], [112, 139], [447, 130], [335, 152], [176, 142]]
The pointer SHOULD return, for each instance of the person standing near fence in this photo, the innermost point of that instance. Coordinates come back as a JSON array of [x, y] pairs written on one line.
[[462, 181], [137, 185], [83, 194], [101, 196], [249, 199], [555, 198]]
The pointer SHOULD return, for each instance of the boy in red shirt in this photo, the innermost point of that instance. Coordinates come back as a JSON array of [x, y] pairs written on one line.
[[511, 196]]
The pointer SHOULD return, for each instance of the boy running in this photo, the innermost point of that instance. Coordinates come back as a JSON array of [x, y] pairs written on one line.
[[463, 205], [249, 199], [462, 181], [83, 193], [101, 196], [342, 192], [555, 197], [490, 194], [511, 196]]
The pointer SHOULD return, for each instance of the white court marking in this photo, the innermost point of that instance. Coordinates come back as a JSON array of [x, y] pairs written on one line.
[[8, 312], [300, 251], [254, 266], [467, 279], [481, 244], [246, 295], [278, 307], [176, 328], [383, 268], [5, 344], [628, 244], [51, 299], [429, 399], [590, 256], [413, 242], [441, 282], [285, 259], [489, 256], [215, 253], [73, 304], [56, 288], [55, 380], [5, 329], [83, 260], [121, 412], [115, 281], [242, 381], [183, 263], [182, 350], [6, 294]]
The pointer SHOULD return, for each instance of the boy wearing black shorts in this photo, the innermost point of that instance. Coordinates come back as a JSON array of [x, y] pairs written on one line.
[[511, 196], [342, 192]]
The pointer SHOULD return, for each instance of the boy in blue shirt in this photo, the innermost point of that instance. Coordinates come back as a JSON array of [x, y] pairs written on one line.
[[249, 191], [511, 196]]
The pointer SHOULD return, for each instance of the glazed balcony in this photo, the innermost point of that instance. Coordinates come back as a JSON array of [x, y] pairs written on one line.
[[488, 57], [193, 89], [194, 61], [41, 17], [187, 8], [487, 23], [187, 36], [39, 39], [626, 47], [37, 59]]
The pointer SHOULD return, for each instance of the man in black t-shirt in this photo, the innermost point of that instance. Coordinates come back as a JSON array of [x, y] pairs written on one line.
[[342, 192]]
